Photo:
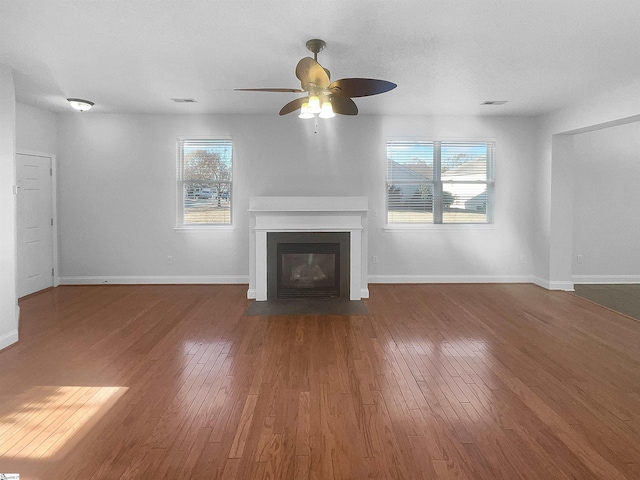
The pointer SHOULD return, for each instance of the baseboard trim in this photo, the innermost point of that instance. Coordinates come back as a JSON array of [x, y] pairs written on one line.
[[604, 279], [450, 279], [244, 279], [553, 285], [8, 339], [191, 279], [541, 282]]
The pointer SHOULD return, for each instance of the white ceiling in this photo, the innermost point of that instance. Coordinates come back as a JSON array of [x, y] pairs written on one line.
[[447, 56]]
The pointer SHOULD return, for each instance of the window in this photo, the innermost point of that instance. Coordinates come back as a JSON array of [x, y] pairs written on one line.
[[204, 182], [439, 182]]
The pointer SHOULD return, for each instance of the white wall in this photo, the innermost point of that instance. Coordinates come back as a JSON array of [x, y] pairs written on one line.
[[499, 252], [554, 172], [117, 195], [36, 130], [8, 298], [606, 223]]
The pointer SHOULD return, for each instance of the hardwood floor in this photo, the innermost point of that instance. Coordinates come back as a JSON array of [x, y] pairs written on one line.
[[437, 382]]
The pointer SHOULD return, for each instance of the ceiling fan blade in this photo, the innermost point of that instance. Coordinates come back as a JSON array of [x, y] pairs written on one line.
[[309, 71], [360, 87], [293, 105], [344, 106], [286, 90]]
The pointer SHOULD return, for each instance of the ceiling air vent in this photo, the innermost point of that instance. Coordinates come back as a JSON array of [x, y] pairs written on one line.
[[494, 102], [184, 100]]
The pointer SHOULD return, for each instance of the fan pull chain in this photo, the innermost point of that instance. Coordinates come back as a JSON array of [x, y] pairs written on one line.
[[315, 130]]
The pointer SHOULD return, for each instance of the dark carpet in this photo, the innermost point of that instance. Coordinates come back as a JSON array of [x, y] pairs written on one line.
[[623, 298]]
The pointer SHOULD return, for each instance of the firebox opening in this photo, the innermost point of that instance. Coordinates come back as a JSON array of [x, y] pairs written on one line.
[[307, 265], [308, 270]]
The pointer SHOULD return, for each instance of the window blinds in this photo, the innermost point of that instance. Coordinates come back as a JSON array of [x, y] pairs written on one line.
[[439, 182], [204, 181]]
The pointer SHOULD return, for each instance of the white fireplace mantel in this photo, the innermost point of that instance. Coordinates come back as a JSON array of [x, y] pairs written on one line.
[[308, 214]]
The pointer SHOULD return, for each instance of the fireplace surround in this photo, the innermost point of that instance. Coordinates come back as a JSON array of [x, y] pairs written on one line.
[[309, 215]]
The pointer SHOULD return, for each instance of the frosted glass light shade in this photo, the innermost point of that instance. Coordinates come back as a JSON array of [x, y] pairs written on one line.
[[327, 110], [314, 104], [304, 111], [79, 104]]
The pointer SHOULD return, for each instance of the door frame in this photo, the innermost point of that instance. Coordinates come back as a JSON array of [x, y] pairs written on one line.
[[54, 208]]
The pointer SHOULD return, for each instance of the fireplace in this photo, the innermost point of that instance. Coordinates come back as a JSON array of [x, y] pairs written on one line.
[[308, 215], [308, 264]]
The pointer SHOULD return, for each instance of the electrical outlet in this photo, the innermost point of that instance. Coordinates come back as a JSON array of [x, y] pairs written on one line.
[[375, 259], [523, 259], [169, 260], [578, 258]]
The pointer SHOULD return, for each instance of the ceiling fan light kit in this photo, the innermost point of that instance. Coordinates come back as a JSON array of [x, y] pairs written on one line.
[[325, 98]]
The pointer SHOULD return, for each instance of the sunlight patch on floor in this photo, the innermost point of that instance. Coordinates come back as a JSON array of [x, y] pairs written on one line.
[[43, 421]]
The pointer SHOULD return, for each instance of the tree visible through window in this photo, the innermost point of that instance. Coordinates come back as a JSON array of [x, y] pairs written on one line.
[[439, 182], [204, 182]]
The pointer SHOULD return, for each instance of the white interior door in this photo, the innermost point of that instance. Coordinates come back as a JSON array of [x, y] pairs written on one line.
[[34, 223]]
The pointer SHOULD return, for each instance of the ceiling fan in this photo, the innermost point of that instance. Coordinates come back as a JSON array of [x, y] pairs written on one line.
[[325, 97]]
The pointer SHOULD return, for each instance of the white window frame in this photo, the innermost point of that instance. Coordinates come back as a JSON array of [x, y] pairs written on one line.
[[180, 182], [437, 186]]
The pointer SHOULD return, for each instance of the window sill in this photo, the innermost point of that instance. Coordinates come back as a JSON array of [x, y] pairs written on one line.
[[184, 228], [437, 227]]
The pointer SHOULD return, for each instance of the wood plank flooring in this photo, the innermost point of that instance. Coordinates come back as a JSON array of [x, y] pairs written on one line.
[[475, 382]]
